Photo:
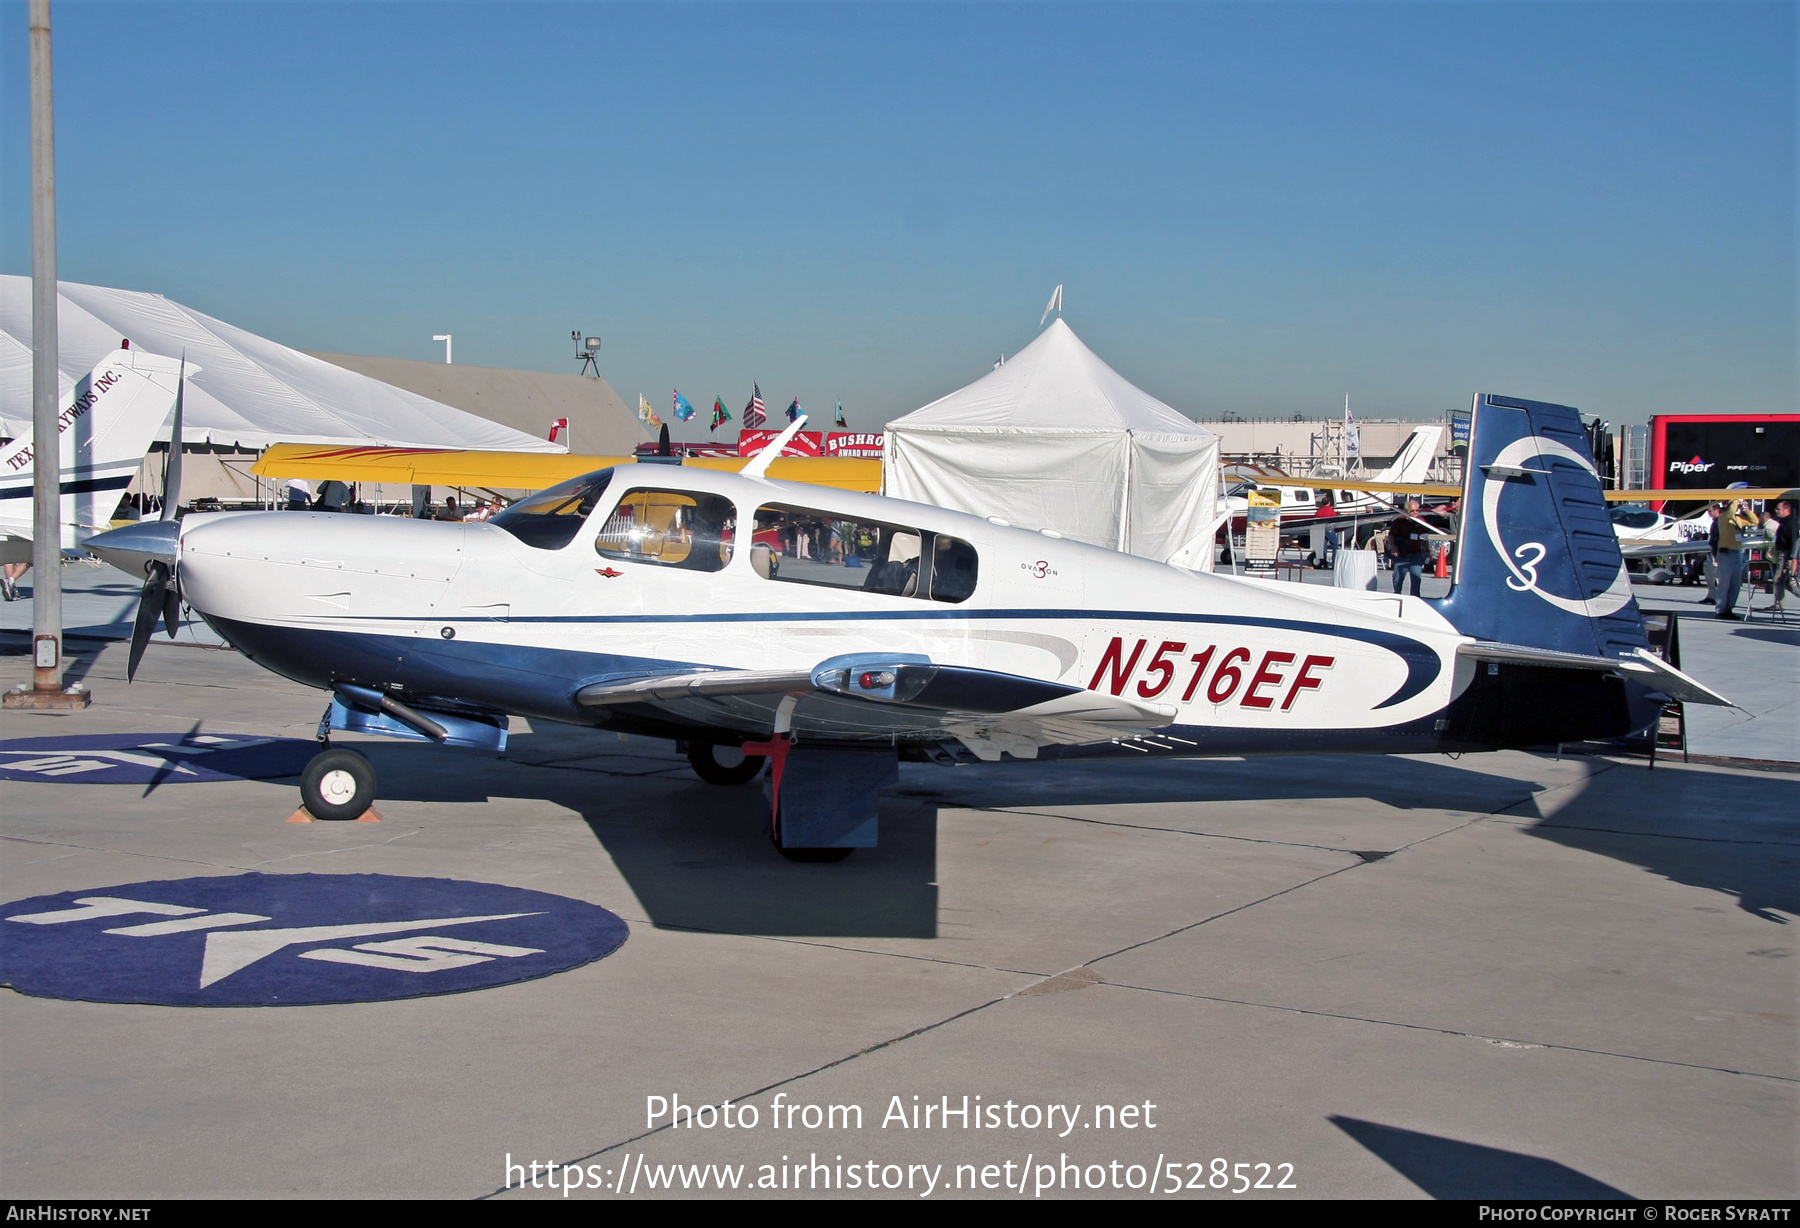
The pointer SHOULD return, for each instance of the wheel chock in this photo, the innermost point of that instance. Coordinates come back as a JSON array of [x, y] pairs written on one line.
[[302, 815]]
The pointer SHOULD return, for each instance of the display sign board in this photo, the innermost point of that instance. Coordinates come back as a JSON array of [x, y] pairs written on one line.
[[1262, 532], [1711, 451]]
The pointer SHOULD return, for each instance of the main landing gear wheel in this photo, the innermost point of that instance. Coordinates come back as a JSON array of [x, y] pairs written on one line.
[[723, 765], [338, 785], [815, 855]]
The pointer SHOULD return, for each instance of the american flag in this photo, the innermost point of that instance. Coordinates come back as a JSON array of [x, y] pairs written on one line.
[[754, 417]]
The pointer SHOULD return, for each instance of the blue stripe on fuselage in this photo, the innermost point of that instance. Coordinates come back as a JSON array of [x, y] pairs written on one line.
[[1422, 663], [495, 669]]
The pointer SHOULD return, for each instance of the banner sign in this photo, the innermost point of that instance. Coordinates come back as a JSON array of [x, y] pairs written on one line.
[[1459, 432], [814, 443]]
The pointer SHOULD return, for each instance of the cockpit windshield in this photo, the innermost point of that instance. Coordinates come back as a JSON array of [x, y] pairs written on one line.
[[550, 519]]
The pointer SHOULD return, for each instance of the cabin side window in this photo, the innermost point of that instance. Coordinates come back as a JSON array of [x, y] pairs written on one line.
[[801, 546], [670, 528], [550, 519]]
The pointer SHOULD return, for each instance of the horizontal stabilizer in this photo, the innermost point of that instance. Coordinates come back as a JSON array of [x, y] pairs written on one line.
[[1640, 666]]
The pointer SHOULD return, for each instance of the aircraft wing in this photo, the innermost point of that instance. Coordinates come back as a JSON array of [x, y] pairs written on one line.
[[524, 470], [1640, 666], [1664, 549], [886, 698]]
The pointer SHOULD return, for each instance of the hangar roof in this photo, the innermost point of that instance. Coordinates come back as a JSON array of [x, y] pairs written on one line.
[[252, 392]]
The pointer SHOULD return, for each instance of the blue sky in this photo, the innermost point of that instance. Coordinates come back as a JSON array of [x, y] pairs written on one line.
[[1254, 207]]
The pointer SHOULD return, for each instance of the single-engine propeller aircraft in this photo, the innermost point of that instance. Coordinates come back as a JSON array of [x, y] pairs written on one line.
[[106, 423], [832, 633]]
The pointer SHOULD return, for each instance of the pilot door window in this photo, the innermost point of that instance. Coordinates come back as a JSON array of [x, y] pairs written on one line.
[[799, 546], [670, 528]]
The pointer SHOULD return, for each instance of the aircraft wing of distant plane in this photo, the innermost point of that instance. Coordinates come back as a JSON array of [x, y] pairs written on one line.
[[1438, 490], [526, 470], [898, 695]]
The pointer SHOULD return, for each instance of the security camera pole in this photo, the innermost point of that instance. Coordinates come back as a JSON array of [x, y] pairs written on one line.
[[46, 544]]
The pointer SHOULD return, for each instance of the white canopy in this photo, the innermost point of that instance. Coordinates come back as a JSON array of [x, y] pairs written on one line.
[[251, 391], [1054, 438]]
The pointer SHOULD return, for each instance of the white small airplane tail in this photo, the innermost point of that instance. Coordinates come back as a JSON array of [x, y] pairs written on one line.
[[105, 426], [1414, 460]]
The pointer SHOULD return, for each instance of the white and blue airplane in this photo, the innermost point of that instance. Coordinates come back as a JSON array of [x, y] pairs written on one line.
[[833, 633]]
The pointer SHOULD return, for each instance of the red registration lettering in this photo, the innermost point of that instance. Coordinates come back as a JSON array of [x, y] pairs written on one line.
[[1199, 659], [1157, 665], [1110, 660], [1303, 679], [1228, 668], [1265, 674]]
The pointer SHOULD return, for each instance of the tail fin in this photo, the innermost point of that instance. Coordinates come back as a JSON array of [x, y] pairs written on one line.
[[1539, 562], [105, 426], [1416, 455]]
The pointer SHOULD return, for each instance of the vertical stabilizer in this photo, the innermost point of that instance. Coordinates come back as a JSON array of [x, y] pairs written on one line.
[[1538, 562], [105, 425]]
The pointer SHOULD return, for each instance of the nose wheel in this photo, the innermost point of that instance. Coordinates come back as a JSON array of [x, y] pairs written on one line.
[[338, 786]]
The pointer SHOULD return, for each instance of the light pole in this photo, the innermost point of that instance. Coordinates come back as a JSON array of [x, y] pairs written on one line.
[[46, 445], [445, 338]]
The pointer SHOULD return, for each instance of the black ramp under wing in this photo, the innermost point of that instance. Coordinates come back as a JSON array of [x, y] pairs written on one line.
[[885, 698]]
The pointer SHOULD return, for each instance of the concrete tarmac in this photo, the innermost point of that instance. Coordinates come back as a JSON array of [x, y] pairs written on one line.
[[1497, 976]]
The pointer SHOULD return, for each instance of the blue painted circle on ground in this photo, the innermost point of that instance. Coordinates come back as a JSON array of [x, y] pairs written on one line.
[[152, 758], [294, 939]]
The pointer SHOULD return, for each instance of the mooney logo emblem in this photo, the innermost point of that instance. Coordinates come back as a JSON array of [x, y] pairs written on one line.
[[294, 939], [1523, 561]]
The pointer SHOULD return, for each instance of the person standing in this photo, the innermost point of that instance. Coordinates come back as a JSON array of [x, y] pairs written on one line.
[[1782, 553], [1328, 511], [1725, 538], [1406, 542]]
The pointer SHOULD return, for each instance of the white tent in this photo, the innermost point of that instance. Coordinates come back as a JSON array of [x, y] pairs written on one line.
[[1053, 438], [251, 391]]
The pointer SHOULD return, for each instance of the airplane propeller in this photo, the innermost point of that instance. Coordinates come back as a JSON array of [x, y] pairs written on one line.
[[160, 598]]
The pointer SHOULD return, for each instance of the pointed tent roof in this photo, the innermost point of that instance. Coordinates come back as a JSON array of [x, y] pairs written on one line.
[[251, 391], [1054, 384]]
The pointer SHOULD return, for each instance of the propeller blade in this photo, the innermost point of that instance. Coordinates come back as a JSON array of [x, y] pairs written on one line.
[[172, 475], [175, 600], [150, 606]]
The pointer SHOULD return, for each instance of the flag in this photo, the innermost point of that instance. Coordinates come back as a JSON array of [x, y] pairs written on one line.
[[1055, 304], [721, 415], [839, 420], [753, 412], [681, 408], [1352, 436], [645, 413], [793, 409], [556, 426]]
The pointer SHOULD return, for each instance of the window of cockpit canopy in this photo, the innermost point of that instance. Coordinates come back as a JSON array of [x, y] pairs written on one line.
[[550, 519], [671, 528], [802, 546]]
